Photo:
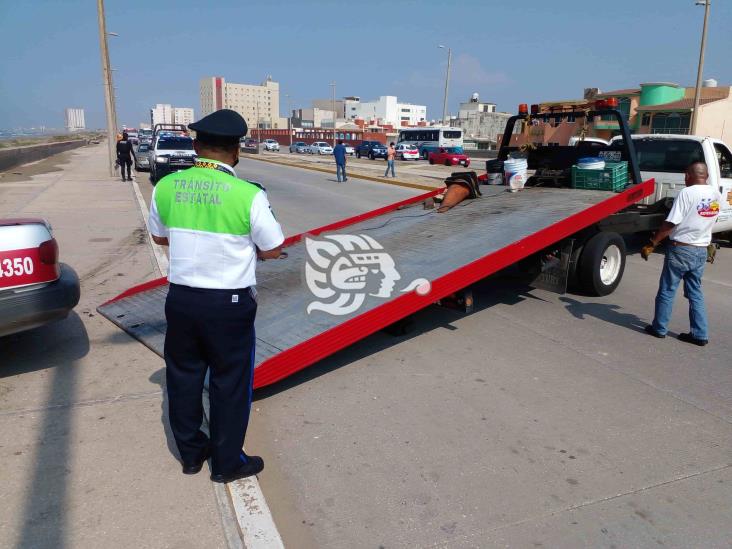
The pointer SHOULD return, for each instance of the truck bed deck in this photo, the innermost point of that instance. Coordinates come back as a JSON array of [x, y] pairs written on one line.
[[452, 250]]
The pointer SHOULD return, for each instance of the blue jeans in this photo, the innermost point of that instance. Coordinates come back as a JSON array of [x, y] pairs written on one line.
[[389, 166], [682, 263], [341, 172]]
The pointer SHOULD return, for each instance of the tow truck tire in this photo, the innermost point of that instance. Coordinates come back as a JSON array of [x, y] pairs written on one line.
[[602, 263], [358, 155]]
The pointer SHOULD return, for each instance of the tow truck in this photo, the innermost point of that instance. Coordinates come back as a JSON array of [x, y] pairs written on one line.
[[565, 236]]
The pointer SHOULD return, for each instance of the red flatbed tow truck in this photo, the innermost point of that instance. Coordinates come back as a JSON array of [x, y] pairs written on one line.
[[318, 300]]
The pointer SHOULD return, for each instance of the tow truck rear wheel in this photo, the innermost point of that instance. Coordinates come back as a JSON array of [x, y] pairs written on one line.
[[602, 263]]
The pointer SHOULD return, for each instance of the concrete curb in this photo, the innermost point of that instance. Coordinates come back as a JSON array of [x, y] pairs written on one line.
[[245, 516], [395, 182]]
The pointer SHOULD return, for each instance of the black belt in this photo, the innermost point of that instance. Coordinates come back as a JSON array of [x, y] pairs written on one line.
[[677, 243]]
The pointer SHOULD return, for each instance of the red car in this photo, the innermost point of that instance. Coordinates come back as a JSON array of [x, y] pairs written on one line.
[[449, 158], [34, 287]]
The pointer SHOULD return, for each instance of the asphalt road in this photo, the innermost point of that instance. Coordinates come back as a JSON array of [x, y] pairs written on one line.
[[538, 420]]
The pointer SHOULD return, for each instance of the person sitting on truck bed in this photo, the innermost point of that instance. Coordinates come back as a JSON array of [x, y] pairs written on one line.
[[689, 226]]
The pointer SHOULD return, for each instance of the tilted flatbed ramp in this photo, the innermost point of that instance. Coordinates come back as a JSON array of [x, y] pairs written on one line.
[[451, 250]]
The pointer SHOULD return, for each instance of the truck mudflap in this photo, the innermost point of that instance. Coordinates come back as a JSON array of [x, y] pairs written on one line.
[[345, 281]]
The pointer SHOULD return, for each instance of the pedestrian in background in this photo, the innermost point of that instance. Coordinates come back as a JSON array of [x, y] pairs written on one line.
[[689, 226], [339, 152], [390, 155], [216, 230], [125, 153]]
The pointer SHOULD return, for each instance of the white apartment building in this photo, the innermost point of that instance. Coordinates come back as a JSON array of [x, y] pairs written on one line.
[[385, 110], [258, 104], [74, 120], [162, 113], [183, 115]]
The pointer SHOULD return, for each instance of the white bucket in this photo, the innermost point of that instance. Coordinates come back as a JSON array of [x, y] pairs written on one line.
[[515, 173]]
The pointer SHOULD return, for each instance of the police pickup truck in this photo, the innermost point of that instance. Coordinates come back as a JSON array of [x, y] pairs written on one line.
[[171, 151]]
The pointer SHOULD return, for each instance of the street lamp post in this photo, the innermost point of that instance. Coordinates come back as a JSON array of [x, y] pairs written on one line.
[[447, 84], [700, 69], [107, 80], [289, 118], [333, 108]]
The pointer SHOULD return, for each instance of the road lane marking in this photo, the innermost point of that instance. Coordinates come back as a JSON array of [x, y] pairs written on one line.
[[161, 259]]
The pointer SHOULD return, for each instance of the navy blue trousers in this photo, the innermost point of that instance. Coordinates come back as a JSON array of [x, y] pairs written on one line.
[[210, 329]]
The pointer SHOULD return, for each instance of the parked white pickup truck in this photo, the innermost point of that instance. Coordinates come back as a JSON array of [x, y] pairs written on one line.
[[665, 158]]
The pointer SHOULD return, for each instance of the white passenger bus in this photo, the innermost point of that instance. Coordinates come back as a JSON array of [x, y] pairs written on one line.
[[432, 139]]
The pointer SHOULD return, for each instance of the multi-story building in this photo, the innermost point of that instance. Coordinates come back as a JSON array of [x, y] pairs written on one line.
[[74, 120], [475, 106], [312, 118], [385, 110], [162, 113], [183, 115], [258, 104], [480, 123], [665, 107]]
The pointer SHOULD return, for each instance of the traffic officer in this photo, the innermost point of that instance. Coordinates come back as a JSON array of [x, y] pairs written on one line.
[[216, 226]]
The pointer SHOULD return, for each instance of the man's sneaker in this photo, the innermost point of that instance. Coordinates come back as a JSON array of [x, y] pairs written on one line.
[[253, 466], [688, 338], [652, 331]]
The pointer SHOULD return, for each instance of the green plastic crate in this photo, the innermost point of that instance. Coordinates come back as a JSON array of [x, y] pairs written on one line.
[[613, 177]]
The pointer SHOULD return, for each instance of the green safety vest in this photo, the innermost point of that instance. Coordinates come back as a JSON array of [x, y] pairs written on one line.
[[205, 198]]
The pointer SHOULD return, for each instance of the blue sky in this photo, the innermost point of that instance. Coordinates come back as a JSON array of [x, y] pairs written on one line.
[[508, 51]]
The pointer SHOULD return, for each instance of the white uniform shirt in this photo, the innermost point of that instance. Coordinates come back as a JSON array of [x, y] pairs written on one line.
[[693, 214], [202, 259]]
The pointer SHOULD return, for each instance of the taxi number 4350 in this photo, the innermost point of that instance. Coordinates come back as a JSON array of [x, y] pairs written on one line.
[[18, 266]]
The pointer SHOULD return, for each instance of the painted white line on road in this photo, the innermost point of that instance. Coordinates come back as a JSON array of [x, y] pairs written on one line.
[[253, 514], [241, 503], [160, 258]]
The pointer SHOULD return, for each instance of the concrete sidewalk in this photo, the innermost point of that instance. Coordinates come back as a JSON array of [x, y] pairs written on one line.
[[87, 459]]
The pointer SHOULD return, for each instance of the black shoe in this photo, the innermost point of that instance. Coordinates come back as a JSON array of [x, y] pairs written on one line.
[[193, 468], [652, 331], [253, 466], [688, 338]]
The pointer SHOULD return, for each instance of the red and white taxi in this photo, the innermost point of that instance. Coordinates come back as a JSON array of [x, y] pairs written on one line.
[[34, 287], [407, 152]]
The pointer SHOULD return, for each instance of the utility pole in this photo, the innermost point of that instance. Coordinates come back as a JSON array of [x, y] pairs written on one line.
[[447, 85], [108, 88], [289, 118], [335, 116], [700, 69]]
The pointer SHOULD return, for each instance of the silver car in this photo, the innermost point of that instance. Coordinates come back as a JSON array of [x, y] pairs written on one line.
[[299, 147], [320, 147], [142, 158], [271, 145]]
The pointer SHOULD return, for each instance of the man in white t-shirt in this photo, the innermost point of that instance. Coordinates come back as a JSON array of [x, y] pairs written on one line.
[[689, 228]]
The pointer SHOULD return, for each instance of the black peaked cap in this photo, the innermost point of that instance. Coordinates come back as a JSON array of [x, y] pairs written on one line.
[[222, 123]]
